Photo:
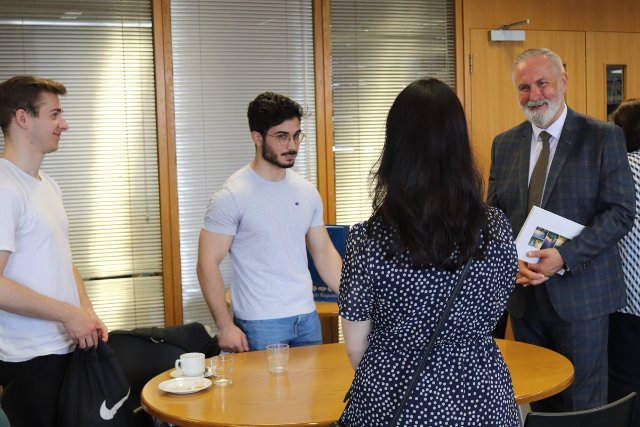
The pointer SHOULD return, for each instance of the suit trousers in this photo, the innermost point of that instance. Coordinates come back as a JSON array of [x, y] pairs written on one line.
[[624, 354], [583, 342]]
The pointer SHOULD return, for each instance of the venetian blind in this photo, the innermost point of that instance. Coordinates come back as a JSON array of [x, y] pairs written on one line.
[[224, 54], [378, 47], [107, 161]]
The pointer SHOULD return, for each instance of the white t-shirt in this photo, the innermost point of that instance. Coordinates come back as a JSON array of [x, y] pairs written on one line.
[[34, 228], [269, 221]]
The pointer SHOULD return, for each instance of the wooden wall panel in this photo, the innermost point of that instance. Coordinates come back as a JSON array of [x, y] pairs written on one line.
[[611, 49], [324, 107], [565, 15], [570, 15], [170, 230]]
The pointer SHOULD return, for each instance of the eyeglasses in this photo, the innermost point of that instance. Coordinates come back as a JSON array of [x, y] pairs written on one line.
[[284, 138]]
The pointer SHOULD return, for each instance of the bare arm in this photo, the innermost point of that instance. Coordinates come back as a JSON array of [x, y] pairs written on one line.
[[355, 339], [16, 298], [325, 257], [85, 303], [212, 248]]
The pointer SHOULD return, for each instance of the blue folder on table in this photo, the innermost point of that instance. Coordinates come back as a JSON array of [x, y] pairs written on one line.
[[321, 292]]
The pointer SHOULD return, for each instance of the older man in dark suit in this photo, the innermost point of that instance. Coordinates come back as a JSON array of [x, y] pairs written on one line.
[[576, 167]]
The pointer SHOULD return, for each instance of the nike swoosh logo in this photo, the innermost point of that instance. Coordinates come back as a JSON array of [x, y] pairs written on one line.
[[108, 414]]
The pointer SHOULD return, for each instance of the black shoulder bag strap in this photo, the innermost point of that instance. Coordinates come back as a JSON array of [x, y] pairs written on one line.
[[432, 343]]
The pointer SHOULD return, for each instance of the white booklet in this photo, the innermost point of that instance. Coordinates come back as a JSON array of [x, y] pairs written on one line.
[[543, 229]]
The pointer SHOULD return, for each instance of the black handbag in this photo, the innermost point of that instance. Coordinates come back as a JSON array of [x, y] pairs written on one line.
[[425, 354], [95, 392]]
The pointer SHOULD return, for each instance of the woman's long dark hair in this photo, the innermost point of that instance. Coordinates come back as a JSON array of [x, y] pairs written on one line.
[[427, 186]]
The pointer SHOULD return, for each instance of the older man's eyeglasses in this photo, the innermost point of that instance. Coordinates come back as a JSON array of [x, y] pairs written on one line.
[[284, 138]]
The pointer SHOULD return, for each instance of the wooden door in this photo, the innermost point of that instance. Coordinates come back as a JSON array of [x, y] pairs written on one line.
[[611, 49], [493, 107]]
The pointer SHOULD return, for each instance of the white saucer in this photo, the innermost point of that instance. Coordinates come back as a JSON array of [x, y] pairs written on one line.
[[177, 373], [184, 385]]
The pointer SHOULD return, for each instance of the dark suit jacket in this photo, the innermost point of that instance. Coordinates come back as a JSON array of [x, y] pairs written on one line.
[[589, 182]]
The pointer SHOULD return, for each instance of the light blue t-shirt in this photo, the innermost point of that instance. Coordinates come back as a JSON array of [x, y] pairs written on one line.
[[269, 221]]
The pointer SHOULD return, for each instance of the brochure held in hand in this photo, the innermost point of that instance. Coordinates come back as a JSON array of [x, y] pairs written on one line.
[[543, 229]]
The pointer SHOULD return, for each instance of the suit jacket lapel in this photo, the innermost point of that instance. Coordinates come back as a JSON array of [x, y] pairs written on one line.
[[524, 154], [560, 156]]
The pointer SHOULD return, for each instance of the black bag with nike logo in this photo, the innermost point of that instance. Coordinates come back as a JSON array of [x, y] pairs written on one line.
[[95, 392]]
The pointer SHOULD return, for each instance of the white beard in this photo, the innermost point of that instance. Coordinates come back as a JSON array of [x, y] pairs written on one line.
[[542, 117]]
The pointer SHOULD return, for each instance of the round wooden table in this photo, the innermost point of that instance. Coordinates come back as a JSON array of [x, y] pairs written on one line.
[[536, 372], [312, 391]]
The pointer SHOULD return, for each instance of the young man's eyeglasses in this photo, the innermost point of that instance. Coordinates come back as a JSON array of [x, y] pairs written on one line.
[[284, 138]]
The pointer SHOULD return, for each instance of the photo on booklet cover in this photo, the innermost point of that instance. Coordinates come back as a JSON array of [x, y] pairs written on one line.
[[544, 239]]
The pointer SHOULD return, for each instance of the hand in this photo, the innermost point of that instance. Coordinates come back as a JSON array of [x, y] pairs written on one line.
[[82, 327], [232, 339], [549, 263], [526, 276], [102, 330]]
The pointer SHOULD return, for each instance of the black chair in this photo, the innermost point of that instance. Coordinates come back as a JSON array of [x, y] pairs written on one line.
[[144, 353], [615, 414]]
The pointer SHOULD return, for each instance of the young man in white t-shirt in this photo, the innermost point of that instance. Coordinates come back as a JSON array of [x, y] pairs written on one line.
[[264, 217], [44, 309]]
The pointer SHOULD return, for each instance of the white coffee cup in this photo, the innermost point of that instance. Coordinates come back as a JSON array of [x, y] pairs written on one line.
[[191, 364]]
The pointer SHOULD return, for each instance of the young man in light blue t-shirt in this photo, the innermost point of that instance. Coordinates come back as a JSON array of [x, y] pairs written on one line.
[[265, 216]]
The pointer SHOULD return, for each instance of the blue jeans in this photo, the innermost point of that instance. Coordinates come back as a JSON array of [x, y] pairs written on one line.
[[297, 331]]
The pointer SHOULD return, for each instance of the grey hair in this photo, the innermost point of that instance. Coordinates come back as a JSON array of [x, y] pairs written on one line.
[[530, 53]]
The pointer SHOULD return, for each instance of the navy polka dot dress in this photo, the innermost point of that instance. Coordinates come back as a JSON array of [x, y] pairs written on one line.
[[465, 382]]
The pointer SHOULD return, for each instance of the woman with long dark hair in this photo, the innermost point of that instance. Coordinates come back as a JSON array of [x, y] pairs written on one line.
[[400, 266]]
